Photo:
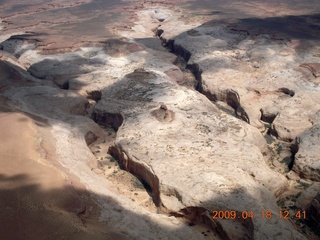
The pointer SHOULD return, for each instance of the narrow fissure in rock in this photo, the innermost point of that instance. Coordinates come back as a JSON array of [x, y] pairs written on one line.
[[287, 91], [196, 71], [231, 97], [95, 95], [133, 180], [176, 49], [159, 32], [65, 85], [198, 217], [267, 117], [113, 120], [294, 149], [141, 171], [183, 53]]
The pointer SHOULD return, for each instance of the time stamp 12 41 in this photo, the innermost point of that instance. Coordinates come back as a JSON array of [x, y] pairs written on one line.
[[266, 214]]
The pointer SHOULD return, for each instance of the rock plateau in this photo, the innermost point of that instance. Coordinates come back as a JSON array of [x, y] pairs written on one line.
[[142, 119]]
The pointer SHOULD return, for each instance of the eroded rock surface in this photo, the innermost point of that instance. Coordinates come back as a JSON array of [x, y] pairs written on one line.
[[172, 164], [306, 161], [91, 92], [259, 69]]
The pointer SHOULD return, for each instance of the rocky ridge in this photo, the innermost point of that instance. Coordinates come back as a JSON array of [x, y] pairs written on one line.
[[194, 157]]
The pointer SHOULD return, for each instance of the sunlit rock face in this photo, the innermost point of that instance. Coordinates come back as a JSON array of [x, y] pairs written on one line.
[[307, 157], [256, 73], [146, 120]]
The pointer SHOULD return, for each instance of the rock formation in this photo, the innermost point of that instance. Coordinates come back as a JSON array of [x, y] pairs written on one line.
[[148, 127]]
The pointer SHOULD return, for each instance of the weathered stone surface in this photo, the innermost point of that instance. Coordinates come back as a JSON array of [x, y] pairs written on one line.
[[171, 164], [306, 198], [307, 159], [223, 141], [258, 69], [193, 157], [70, 148], [314, 68]]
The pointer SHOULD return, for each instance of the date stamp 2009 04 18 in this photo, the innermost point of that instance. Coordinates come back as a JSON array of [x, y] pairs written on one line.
[[266, 214]]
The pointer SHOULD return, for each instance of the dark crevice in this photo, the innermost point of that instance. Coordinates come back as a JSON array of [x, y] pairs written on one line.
[[139, 170], [272, 131], [113, 120], [290, 166], [146, 186], [267, 116], [159, 32], [143, 173], [185, 55], [65, 85], [231, 97], [95, 95], [196, 71], [241, 113], [294, 148], [233, 100], [287, 91], [236, 29], [176, 49]]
